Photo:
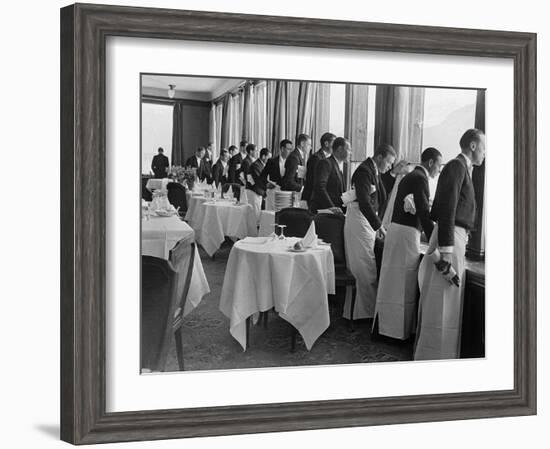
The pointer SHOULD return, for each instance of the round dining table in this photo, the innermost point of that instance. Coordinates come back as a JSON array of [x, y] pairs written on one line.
[[265, 272], [158, 236]]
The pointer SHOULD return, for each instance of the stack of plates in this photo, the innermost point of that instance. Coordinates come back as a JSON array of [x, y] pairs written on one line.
[[282, 199]]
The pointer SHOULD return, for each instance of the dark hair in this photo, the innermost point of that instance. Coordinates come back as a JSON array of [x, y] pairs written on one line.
[[223, 151], [199, 149], [383, 149], [302, 138], [232, 148], [250, 147], [244, 143], [327, 137], [472, 135], [264, 152], [430, 154], [161, 150], [285, 142], [339, 142]]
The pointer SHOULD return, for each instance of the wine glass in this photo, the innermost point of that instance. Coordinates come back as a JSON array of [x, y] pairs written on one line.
[[282, 235]]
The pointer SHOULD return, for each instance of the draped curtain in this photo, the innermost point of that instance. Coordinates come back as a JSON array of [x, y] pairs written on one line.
[[212, 132], [177, 135], [226, 122], [307, 96], [357, 98], [259, 128], [398, 120], [321, 120], [248, 113], [279, 114], [218, 131]]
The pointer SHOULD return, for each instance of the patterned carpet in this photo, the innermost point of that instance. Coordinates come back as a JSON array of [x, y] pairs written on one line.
[[208, 344]]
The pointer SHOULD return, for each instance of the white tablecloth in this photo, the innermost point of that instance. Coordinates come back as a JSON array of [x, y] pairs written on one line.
[[260, 276], [213, 221], [158, 236], [194, 201], [156, 183]]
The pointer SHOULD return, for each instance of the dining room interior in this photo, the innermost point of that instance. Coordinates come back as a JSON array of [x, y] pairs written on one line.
[[243, 267]]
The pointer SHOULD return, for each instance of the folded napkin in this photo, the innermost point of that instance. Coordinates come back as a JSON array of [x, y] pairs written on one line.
[[349, 196], [310, 239], [408, 204], [250, 179]]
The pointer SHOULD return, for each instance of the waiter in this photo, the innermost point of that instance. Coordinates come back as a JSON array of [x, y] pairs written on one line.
[[453, 210], [235, 164], [295, 168], [361, 227], [326, 150], [160, 164], [398, 283], [220, 171], [256, 188]]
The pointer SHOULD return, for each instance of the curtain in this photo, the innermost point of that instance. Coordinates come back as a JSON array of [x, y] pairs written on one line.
[[292, 94], [398, 120], [177, 135], [219, 112], [279, 116], [357, 98], [235, 119], [248, 113], [321, 118], [307, 96], [212, 137], [226, 122], [260, 115]]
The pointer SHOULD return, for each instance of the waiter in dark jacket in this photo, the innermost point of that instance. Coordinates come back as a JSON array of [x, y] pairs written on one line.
[[326, 150], [220, 171], [274, 169], [453, 210], [295, 167], [362, 225], [398, 284], [235, 164], [196, 161], [160, 164], [255, 185], [329, 183]]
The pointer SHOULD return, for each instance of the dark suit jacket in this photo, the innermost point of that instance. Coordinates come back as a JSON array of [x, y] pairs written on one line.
[[454, 203], [328, 185], [201, 168], [159, 165], [272, 170], [233, 170], [208, 170], [217, 174], [364, 177], [245, 166], [388, 180], [290, 180], [416, 182], [310, 173], [255, 171]]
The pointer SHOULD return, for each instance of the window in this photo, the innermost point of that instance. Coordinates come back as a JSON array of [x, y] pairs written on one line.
[[447, 114], [337, 109], [156, 131]]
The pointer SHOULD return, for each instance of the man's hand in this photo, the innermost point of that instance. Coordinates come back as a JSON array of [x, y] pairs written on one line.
[[336, 210], [381, 233]]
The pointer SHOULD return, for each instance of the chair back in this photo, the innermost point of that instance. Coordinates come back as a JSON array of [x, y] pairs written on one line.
[[145, 194], [297, 221], [164, 289], [330, 228], [177, 197], [236, 187]]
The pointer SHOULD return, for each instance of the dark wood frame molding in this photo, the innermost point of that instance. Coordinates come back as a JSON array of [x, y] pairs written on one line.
[[84, 29]]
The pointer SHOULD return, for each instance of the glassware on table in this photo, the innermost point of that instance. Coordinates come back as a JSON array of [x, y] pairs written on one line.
[[282, 234]]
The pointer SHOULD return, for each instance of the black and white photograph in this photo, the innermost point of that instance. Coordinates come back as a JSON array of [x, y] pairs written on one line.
[[295, 223]]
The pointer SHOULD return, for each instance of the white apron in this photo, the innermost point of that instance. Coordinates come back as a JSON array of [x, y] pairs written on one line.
[[398, 284], [255, 201], [359, 240], [440, 306]]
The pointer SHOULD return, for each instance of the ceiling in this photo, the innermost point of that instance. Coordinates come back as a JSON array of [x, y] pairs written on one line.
[[190, 87]]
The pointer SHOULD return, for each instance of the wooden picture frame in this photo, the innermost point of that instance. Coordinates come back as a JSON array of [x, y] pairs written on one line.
[[84, 29]]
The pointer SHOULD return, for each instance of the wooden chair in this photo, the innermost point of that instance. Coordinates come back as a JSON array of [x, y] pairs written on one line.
[[165, 285], [177, 197], [297, 221], [330, 228]]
